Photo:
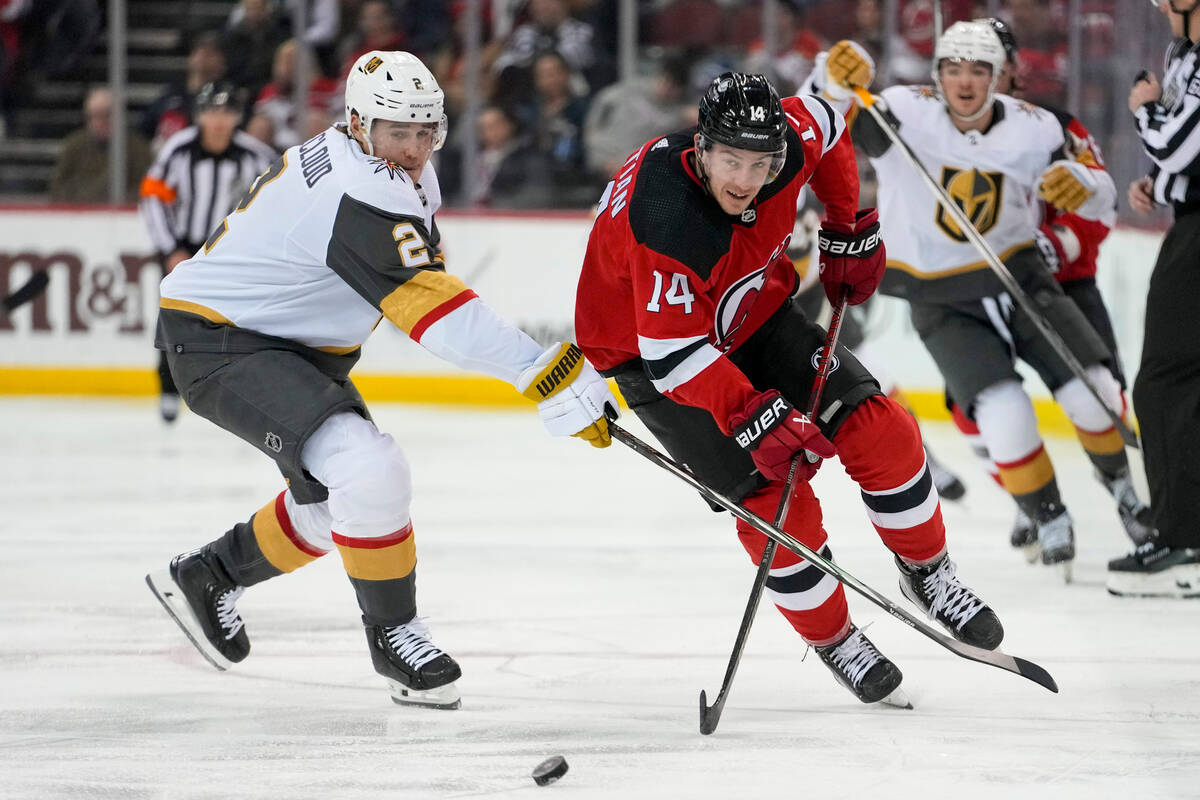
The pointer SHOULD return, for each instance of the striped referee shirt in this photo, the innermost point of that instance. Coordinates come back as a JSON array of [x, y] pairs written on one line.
[[188, 191], [1170, 129]]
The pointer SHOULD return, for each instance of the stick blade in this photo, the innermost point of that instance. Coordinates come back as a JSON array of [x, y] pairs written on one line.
[[709, 717], [1036, 674]]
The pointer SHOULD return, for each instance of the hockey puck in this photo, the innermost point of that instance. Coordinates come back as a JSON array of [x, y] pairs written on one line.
[[549, 770]]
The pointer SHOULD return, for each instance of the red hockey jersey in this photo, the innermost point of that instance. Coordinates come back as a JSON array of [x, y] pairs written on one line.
[[671, 279]]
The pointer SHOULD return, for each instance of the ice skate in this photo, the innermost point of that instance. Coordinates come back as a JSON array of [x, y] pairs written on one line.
[[949, 486], [1024, 536], [1057, 538], [1154, 569], [1135, 515], [168, 406], [936, 589], [200, 596], [862, 669], [417, 672]]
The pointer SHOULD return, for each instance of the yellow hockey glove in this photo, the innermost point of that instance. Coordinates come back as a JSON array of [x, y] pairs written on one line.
[[1066, 185], [573, 399], [848, 66]]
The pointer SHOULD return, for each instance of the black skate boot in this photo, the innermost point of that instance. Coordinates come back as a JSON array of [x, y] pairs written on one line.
[[1024, 536], [861, 668], [936, 589], [1135, 515], [417, 672], [200, 596], [1057, 539], [949, 486], [1156, 570]]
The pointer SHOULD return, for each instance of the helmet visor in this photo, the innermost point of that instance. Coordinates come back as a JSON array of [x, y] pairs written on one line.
[[747, 168]]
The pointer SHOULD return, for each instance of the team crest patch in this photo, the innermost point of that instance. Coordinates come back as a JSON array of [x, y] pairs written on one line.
[[978, 194], [834, 361], [924, 92], [390, 167]]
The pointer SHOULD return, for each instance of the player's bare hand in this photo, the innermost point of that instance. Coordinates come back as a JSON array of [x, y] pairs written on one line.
[[1144, 91], [1141, 195]]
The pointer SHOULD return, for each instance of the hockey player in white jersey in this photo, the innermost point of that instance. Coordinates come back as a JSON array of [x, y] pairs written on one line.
[[995, 156], [261, 328]]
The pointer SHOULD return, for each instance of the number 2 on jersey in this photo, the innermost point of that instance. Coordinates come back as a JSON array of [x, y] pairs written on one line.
[[680, 294], [274, 171]]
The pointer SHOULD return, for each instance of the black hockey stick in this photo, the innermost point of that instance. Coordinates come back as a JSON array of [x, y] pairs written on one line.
[[996, 658], [711, 715], [32, 288], [1010, 283]]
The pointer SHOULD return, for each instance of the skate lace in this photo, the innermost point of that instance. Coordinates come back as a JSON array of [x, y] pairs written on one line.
[[411, 642], [1055, 534], [948, 596], [227, 615], [855, 657]]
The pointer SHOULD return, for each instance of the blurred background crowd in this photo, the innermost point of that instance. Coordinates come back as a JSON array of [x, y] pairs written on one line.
[[545, 98]]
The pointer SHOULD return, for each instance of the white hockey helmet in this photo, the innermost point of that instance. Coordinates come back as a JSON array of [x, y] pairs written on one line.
[[396, 86], [970, 41]]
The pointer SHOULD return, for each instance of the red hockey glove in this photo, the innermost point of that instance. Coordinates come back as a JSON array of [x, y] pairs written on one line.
[[774, 431], [852, 256]]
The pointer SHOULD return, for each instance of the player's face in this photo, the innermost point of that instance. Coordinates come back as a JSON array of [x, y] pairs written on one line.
[[735, 175], [408, 144], [965, 85]]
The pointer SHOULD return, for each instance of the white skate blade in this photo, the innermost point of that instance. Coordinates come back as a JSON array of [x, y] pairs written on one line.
[[1068, 570], [444, 697], [1182, 581], [898, 698], [172, 599], [1032, 552]]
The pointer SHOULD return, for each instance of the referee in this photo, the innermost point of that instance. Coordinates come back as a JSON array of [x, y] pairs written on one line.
[[1167, 391], [192, 184]]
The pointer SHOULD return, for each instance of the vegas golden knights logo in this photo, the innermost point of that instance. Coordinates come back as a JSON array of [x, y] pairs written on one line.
[[977, 193], [372, 65]]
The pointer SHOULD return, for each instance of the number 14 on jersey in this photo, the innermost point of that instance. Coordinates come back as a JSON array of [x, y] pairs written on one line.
[[680, 294]]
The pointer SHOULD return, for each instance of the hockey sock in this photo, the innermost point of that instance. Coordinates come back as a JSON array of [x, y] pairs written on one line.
[[811, 601], [264, 547], [382, 570], [1106, 451], [969, 429], [880, 447]]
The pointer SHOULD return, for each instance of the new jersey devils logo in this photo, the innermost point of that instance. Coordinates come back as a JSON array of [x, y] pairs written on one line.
[[735, 306]]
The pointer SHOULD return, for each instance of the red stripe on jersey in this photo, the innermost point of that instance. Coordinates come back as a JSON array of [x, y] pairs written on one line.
[[373, 543], [285, 523], [440, 311], [1020, 462]]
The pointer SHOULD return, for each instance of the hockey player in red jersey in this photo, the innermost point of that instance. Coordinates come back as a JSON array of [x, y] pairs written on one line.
[[685, 298], [261, 328]]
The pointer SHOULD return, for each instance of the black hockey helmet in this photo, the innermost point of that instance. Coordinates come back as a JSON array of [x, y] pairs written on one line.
[[743, 110], [218, 94], [1007, 40]]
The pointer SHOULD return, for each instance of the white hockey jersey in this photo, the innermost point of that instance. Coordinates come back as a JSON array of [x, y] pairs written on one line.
[[326, 241], [992, 175]]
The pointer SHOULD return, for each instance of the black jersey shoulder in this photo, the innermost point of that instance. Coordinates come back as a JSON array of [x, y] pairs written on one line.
[[672, 215]]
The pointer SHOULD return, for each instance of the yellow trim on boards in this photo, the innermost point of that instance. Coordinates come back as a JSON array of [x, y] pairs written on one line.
[[432, 388]]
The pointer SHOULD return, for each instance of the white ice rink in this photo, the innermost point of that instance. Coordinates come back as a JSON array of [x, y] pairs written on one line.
[[587, 595]]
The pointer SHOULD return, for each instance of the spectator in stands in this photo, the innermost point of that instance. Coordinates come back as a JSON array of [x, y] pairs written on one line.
[[510, 173], [11, 14], [171, 112], [82, 172], [1044, 56], [556, 116], [276, 100], [377, 30], [795, 47], [322, 23], [250, 44], [450, 63], [549, 27], [624, 116]]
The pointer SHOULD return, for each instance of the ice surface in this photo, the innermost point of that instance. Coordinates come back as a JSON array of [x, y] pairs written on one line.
[[588, 596]]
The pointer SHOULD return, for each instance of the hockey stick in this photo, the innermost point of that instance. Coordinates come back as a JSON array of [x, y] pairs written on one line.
[[995, 658], [32, 288], [1010, 283], [711, 715]]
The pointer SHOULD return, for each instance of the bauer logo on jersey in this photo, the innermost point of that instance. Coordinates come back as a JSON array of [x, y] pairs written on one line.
[[978, 194]]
